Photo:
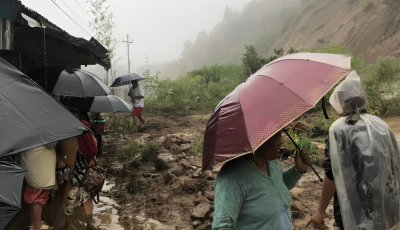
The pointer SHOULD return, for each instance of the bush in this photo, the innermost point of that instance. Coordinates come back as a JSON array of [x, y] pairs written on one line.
[[149, 152], [197, 145]]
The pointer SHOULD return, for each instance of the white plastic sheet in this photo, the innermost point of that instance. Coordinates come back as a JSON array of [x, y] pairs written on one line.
[[365, 162]]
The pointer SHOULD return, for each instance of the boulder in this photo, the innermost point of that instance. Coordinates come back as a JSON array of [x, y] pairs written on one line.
[[201, 211], [200, 199], [185, 147], [196, 223], [164, 161], [175, 149], [185, 164], [167, 143], [210, 195]]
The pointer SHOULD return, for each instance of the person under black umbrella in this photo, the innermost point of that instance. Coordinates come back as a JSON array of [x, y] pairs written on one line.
[[137, 98]]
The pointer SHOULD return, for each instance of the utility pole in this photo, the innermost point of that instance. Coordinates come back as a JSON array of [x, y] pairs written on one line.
[[127, 46], [147, 61]]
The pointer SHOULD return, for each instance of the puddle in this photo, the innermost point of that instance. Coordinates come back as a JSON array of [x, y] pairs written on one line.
[[105, 213]]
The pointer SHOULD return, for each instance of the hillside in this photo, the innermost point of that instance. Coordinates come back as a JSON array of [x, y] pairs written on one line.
[[369, 28]]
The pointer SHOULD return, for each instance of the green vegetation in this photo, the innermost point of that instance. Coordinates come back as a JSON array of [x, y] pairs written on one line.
[[197, 145], [148, 151]]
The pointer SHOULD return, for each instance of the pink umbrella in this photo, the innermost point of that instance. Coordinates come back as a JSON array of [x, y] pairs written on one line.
[[267, 101]]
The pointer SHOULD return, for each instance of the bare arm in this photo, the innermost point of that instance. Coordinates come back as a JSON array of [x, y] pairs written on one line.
[[328, 191]]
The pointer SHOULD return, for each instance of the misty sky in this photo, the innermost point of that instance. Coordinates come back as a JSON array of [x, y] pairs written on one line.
[[157, 27]]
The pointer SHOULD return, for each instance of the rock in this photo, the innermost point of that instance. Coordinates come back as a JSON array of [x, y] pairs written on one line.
[[163, 151], [199, 193], [167, 177], [185, 164], [212, 215], [216, 168], [175, 149], [194, 168], [135, 164], [200, 199], [196, 223], [186, 139], [206, 226], [146, 174], [210, 195], [173, 179], [163, 161], [181, 156], [176, 185], [185, 147], [196, 174], [201, 211], [167, 143], [208, 175]]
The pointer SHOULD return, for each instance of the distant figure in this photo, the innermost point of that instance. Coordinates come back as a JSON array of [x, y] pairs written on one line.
[[361, 167], [137, 99]]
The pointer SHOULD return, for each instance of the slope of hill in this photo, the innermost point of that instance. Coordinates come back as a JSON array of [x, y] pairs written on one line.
[[369, 27]]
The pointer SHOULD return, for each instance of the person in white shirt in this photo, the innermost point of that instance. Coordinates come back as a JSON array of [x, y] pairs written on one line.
[[137, 99]]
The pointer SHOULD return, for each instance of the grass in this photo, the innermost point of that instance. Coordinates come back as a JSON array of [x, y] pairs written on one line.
[[197, 145], [147, 151]]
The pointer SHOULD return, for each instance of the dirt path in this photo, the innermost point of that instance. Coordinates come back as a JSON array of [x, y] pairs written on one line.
[[172, 192]]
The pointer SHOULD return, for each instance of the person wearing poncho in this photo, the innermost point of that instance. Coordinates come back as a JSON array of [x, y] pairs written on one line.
[[361, 167]]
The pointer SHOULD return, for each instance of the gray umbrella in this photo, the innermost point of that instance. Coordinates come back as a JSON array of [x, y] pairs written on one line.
[[79, 83], [126, 79], [11, 179], [110, 104], [30, 117]]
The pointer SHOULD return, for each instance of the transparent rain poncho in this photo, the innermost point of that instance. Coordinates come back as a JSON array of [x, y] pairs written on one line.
[[365, 161]]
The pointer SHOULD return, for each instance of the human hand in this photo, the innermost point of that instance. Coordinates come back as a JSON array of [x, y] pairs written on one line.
[[317, 220], [60, 164], [302, 161]]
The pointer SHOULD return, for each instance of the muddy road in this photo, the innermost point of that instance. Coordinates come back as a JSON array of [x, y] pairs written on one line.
[[170, 191]]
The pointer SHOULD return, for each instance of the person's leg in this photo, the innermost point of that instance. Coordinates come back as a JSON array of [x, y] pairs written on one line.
[[135, 123], [88, 208], [142, 120], [37, 215]]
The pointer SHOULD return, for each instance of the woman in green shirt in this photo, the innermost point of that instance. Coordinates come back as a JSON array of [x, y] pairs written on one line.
[[252, 191]]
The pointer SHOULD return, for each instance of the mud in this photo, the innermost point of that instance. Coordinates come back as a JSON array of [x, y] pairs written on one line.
[[177, 195]]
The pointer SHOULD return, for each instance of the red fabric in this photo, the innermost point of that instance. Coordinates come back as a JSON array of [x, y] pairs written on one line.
[[267, 101], [35, 196], [87, 143], [137, 111]]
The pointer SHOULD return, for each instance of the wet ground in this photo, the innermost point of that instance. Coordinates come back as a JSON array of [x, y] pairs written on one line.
[[305, 197]]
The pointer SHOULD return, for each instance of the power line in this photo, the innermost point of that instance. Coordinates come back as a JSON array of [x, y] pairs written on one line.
[[119, 19], [71, 18], [82, 8], [76, 14]]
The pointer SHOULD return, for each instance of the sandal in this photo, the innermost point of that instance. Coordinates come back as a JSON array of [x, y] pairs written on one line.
[[44, 227]]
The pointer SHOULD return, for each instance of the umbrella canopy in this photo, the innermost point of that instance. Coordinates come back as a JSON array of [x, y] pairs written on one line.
[[11, 178], [30, 117], [99, 104], [267, 101], [79, 83], [126, 79], [110, 104]]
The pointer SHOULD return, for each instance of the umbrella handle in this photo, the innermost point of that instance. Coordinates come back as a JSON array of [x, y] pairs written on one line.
[[297, 147]]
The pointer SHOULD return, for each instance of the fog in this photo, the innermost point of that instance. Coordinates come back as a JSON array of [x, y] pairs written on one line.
[[158, 28]]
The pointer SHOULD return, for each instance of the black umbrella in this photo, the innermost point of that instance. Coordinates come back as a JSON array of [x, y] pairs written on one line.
[[99, 104], [79, 83], [126, 79], [30, 117], [12, 176]]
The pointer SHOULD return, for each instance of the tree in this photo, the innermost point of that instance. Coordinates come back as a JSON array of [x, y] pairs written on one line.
[[103, 25], [251, 60]]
